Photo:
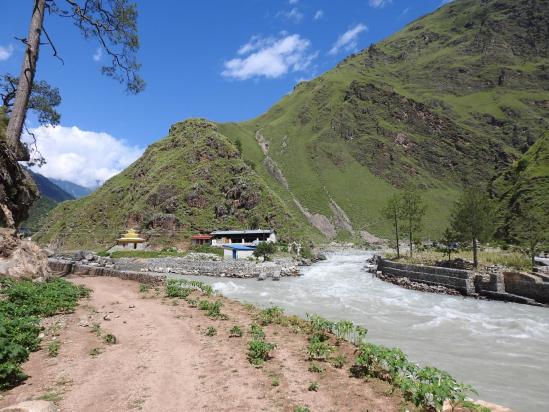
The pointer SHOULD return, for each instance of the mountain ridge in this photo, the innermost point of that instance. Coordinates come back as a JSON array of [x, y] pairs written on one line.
[[454, 98]]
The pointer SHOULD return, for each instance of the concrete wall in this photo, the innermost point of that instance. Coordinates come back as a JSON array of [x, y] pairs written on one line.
[[457, 279], [528, 285]]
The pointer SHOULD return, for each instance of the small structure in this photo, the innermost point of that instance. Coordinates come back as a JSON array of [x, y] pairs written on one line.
[[238, 251], [198, 240], [131, 240], [243, 237]]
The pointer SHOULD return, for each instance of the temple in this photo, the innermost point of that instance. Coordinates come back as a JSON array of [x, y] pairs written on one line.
[[131, 240]]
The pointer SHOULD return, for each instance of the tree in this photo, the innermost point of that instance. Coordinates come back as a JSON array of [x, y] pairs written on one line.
[[113, 23], [530, 228], [393, 213], [265, 249], [473, 218], [449, 239], [413, 211]]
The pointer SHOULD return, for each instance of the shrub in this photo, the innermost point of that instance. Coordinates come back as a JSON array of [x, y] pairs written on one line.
[[213, 309], [236, 332], [316, 368], [338, 361], [274, 314], [259, 350], [22, 303], [265, 249], [300, 408], [427, 387], [53, 348], [318, 349], [109, 338], [211, 331], [257, 332], [313, 386], [275, 381]]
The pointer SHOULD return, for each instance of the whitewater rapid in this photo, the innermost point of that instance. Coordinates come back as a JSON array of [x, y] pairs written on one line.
[[502, 349]]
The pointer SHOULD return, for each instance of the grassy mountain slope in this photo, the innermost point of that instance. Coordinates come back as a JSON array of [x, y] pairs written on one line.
[[454, 97], [525, 183], [192, 180], [50, 196], [76, 191]]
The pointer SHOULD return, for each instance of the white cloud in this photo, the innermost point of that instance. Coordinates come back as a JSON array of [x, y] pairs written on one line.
[[348, 41], [318, 14], [379, 3], [5, 52], [270, 57], [98, 54], [293, 1], [294, 15], [83, 157]]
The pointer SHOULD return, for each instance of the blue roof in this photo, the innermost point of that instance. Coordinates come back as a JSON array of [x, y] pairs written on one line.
[[238, 246]]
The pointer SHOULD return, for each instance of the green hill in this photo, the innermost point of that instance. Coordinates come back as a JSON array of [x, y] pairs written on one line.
[[50, 196], [190, 181], [455, 97], [452, 98], [524, 184]]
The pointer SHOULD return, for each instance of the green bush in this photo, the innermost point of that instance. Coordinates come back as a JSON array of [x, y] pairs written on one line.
[[259, 350], [271, 315], [22, 303], [235, 332], [318, 349], [211, 331], [109, 338], [53, 348], [207, 249], [257, 332], [182, 288]]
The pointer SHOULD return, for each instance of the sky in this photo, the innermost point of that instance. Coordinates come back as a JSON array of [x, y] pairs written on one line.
[[225, 60]]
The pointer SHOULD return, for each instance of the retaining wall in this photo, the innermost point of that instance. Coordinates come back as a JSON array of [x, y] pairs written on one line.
[[528, 285], [63, 268], [460, 280]]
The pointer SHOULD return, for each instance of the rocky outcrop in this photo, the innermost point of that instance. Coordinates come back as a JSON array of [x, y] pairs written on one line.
[[17, 189], [21, 259]]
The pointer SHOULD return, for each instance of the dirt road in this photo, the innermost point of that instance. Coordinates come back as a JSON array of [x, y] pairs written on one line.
[[163, 361]]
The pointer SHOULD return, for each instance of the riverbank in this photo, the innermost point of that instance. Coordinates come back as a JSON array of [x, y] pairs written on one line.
[[163, 359]]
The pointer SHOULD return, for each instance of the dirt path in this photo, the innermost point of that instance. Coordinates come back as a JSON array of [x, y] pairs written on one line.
[[163, 361]]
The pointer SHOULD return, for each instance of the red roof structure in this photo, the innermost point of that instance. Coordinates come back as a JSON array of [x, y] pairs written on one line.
[[201, 237]]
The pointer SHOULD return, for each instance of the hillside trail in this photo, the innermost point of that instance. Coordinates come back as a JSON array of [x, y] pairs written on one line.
[[163, 361]]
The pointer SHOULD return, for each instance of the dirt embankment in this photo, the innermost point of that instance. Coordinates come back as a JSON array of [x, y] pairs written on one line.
[[163, 361]]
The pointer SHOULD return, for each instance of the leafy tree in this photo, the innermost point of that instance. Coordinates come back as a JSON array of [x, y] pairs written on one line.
[[473, 218], [393, 213], [265, 249], [530, 228], [449, 238], [113, 23], [413, 212]]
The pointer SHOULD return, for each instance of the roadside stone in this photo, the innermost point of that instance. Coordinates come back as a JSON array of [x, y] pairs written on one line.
[[31, 406], [262, 276]]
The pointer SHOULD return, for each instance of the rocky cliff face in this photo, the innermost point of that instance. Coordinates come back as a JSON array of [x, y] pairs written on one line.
[[191, 181], [17, 189]]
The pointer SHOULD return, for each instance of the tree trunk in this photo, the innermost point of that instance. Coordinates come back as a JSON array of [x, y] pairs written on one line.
[[475, 254], [411, 241], [24, 87], [397, 237]]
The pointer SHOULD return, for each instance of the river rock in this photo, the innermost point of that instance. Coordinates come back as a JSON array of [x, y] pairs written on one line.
[[262, 276], [276, 276], [31, 406]]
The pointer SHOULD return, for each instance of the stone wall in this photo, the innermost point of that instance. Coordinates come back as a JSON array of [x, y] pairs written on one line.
[[63, 268], [456, 279], [528, 285]]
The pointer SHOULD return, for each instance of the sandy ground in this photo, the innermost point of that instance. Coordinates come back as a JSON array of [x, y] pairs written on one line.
[[163, 361]]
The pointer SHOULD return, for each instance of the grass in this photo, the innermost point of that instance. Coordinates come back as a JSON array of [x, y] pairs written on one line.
[[22, 304], [313, 387], [210, 331], [94, 352], [53, 348], [145, 254], [511, 259], [109, 339], [236, 332]]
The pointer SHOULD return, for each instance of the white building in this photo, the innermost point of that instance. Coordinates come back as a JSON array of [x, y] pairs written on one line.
[[243, 237]]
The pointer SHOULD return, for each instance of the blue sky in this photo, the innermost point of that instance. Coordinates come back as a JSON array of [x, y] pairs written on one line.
[[223, 60]]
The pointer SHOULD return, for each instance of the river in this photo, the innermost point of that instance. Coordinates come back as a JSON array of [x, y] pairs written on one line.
[[502, 349]]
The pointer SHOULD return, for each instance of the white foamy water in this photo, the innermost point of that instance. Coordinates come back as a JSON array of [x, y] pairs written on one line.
[[502, 349]]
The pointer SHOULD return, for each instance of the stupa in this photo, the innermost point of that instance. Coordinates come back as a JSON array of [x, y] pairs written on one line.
[[131, 239]]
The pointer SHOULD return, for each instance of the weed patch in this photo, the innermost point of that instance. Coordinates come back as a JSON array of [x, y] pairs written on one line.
[[211, 331], [53, 348], [235, 332], [22, 304]]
